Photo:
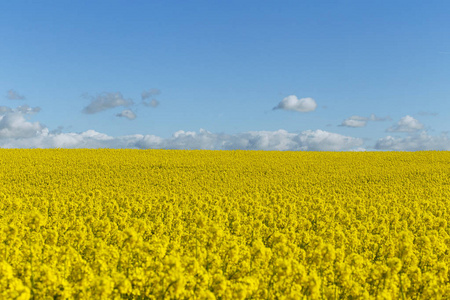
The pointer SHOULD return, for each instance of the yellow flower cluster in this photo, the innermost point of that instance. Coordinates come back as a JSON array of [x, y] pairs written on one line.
[[168, 224]]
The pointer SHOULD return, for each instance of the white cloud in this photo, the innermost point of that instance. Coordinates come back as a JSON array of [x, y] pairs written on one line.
[[106, 101], [315, 140], [14, 125], [46, 139], [293, 103], [126, 113], [13, 95], [416, 142], [359, 149], [406, 124], [355, 121]]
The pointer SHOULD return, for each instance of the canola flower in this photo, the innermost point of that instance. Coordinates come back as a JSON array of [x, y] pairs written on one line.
[[171, 224]]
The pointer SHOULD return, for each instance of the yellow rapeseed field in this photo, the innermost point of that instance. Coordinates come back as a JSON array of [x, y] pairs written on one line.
[[172, 224]]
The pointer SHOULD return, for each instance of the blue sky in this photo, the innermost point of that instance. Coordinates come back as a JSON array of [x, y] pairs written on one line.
[[343, 75]]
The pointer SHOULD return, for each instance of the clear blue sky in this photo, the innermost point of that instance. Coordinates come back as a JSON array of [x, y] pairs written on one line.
[[222, 66]]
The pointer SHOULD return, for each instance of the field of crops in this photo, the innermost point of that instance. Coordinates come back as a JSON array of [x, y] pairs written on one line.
[[167, 224]]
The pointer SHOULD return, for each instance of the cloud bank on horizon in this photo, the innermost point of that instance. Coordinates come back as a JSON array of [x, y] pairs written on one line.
[[34, 136], [16, 131]]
